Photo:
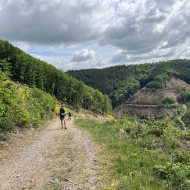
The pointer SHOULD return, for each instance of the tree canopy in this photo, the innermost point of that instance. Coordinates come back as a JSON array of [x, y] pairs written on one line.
[[121, 82]]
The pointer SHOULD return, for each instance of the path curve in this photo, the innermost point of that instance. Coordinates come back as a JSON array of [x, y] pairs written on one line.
[[185, 108], [55, 157]]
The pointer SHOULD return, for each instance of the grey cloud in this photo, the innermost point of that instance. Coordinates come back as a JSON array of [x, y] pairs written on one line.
[[118, 56], [124, 57], [50, 22], [157, 22], [163, 4], [141, 29], [132, 26]]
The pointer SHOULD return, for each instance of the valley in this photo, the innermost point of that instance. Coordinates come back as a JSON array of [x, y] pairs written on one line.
[[131, 126]]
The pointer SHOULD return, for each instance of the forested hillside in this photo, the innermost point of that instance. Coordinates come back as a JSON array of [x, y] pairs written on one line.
[[36, 73], [120, 82]]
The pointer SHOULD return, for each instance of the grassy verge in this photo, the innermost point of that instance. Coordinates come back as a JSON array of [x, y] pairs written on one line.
[[143, 156]]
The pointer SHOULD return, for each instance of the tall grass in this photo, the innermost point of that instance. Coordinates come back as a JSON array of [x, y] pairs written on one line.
[[140, 153]]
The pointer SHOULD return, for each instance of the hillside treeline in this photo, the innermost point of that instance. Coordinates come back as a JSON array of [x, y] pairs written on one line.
[[120, 82], [36, 73]]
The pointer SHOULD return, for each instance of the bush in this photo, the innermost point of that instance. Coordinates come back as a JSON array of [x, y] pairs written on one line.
[[175, 173], [168, 100], [186, 118], [185, 94], [21, 106], [182, 156]]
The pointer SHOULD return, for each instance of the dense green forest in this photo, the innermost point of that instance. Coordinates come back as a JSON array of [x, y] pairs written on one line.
[[25, 69], [120, 82]]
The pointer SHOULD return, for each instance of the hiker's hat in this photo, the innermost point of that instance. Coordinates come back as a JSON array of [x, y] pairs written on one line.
[[62, 105]]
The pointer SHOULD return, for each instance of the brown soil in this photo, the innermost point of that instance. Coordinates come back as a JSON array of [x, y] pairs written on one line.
[[144, 102], [50, 158], [133, 110], [155, 96]]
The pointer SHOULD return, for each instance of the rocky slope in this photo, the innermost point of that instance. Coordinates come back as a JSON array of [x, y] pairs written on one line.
[[145, 101]]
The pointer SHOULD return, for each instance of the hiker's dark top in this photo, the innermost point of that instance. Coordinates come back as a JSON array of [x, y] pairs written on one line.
[[62, 112]]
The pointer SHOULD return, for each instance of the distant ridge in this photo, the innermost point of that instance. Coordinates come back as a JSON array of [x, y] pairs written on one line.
[[121, 82]]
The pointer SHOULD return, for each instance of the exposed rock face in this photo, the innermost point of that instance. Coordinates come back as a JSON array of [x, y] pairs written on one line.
[[145, 101]]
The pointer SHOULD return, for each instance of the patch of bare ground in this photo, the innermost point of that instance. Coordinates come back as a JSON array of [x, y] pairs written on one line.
[[146, 100], [172, 90], [52, 158], [184, 144]]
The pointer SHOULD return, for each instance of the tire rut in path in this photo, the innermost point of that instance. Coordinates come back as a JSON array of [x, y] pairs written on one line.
[[55, 158]]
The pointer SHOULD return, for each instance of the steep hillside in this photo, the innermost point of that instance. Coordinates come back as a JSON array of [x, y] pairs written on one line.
[[26, 69], [149, 102], [149, 96], [143, 154]]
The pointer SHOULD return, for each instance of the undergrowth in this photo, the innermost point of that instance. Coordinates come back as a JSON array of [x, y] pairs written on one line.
[[151, 155], [21, 106]]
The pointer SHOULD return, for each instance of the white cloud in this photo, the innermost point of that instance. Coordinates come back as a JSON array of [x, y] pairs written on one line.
[[83, 55], [58, 62], [159, 28], [22, 45], [66, 64]]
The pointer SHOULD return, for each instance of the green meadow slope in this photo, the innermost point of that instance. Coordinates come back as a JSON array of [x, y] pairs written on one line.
[[141, 154]]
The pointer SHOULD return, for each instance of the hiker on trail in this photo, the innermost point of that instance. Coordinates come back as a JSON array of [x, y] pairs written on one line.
[[69, 115], [62, 113]]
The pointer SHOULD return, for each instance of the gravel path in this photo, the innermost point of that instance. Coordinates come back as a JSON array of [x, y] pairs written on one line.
[[53, 158]]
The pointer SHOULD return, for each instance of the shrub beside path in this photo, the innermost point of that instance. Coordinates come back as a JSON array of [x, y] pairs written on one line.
[[53, 158]]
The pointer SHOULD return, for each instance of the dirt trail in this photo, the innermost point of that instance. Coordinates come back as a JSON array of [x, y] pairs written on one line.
[[54, 158], [185, 108]]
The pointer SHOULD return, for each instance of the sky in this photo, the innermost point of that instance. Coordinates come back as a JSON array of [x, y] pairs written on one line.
[[83, 34]]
